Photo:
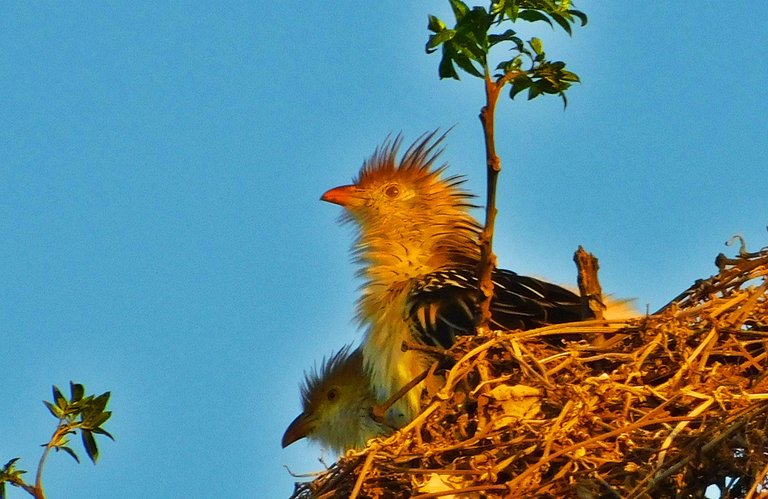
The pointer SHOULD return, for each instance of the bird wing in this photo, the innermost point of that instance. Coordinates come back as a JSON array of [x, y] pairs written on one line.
[[443, 304]]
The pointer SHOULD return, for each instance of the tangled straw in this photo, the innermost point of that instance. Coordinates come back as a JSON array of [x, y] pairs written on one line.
[[664, 405]]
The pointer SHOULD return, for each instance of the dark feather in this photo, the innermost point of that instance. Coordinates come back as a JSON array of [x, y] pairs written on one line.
[[443, 304]]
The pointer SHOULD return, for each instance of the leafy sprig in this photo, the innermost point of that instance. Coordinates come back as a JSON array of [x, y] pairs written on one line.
[[466, 47], [79, 413], [9, 474], [468, 43]]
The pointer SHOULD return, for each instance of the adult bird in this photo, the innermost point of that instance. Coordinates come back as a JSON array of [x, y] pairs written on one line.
[[337, 403], [417, 247]]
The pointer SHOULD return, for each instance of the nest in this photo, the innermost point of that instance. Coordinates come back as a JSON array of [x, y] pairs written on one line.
[[665, 405]]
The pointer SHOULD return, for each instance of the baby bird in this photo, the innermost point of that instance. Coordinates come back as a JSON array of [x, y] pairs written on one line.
[[337, 401]]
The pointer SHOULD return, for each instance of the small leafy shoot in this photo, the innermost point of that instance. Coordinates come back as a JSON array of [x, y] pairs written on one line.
[[81, 413], [466, 46]]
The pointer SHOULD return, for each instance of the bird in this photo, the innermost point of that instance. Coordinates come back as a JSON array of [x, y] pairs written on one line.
[[337, 402], [417, 248]]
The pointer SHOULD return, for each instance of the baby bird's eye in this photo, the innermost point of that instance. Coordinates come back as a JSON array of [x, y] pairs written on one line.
[[392, 191], [332, 394]]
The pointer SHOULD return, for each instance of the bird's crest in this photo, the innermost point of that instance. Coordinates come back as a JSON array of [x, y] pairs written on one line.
[[417, 160], [331, 368], [415, 167]]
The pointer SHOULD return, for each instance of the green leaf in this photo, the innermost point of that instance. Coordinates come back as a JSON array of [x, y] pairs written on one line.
[[562, 21], [507, 36], [518, 85], [77, 390], [556, 65], [460, 9], [438, 39], [10, 464], [466, 64], [511, 65], [100, 402], [476, 23], [446, 69], [93, 421], [435, 24], [572, 77], [537, 46], [533, 16], [548, 86], [533, 92], [58, 398], [511, 11], [582, 16], [100, 431], [55, 410], [68, 451], [471, 52], [90, 445]]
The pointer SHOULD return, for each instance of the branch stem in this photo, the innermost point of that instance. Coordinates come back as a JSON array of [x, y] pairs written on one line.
[[38, 488], [493, 167], [22, 484]]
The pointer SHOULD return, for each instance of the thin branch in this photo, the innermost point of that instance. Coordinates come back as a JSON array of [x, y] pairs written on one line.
[[18, 482], [361, 476], [39, 493], [378, 412], [493, 164], [493, 168]]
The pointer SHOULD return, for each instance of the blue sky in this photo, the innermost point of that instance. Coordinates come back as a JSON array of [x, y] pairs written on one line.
[[160, 171]]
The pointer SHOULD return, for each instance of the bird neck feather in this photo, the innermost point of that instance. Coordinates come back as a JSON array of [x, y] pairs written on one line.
[[399, 249]]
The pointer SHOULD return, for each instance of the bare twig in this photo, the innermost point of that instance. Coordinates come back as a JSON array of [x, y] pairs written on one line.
[[493, 167]]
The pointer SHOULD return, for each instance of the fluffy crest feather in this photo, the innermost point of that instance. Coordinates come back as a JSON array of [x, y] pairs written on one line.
[[416, 162], [338, 366]]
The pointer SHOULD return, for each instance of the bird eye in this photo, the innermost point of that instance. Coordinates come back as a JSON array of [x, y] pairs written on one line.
[[332, 394], [392, 191]]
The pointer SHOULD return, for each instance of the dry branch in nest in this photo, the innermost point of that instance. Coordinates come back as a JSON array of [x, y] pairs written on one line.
[[659, 406]]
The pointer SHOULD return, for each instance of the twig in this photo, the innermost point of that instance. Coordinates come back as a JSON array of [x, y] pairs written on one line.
[[680, 426], [493, 167], [61, 429], [361, 476], [420, 347], [465, 490], [379, 411], [757, 482]]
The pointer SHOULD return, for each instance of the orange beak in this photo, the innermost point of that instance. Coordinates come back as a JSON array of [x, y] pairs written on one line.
[[344, 195], [298, 429]]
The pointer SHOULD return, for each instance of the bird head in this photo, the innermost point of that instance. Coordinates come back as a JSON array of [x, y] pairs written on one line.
[[407, 212], [336, 402]]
